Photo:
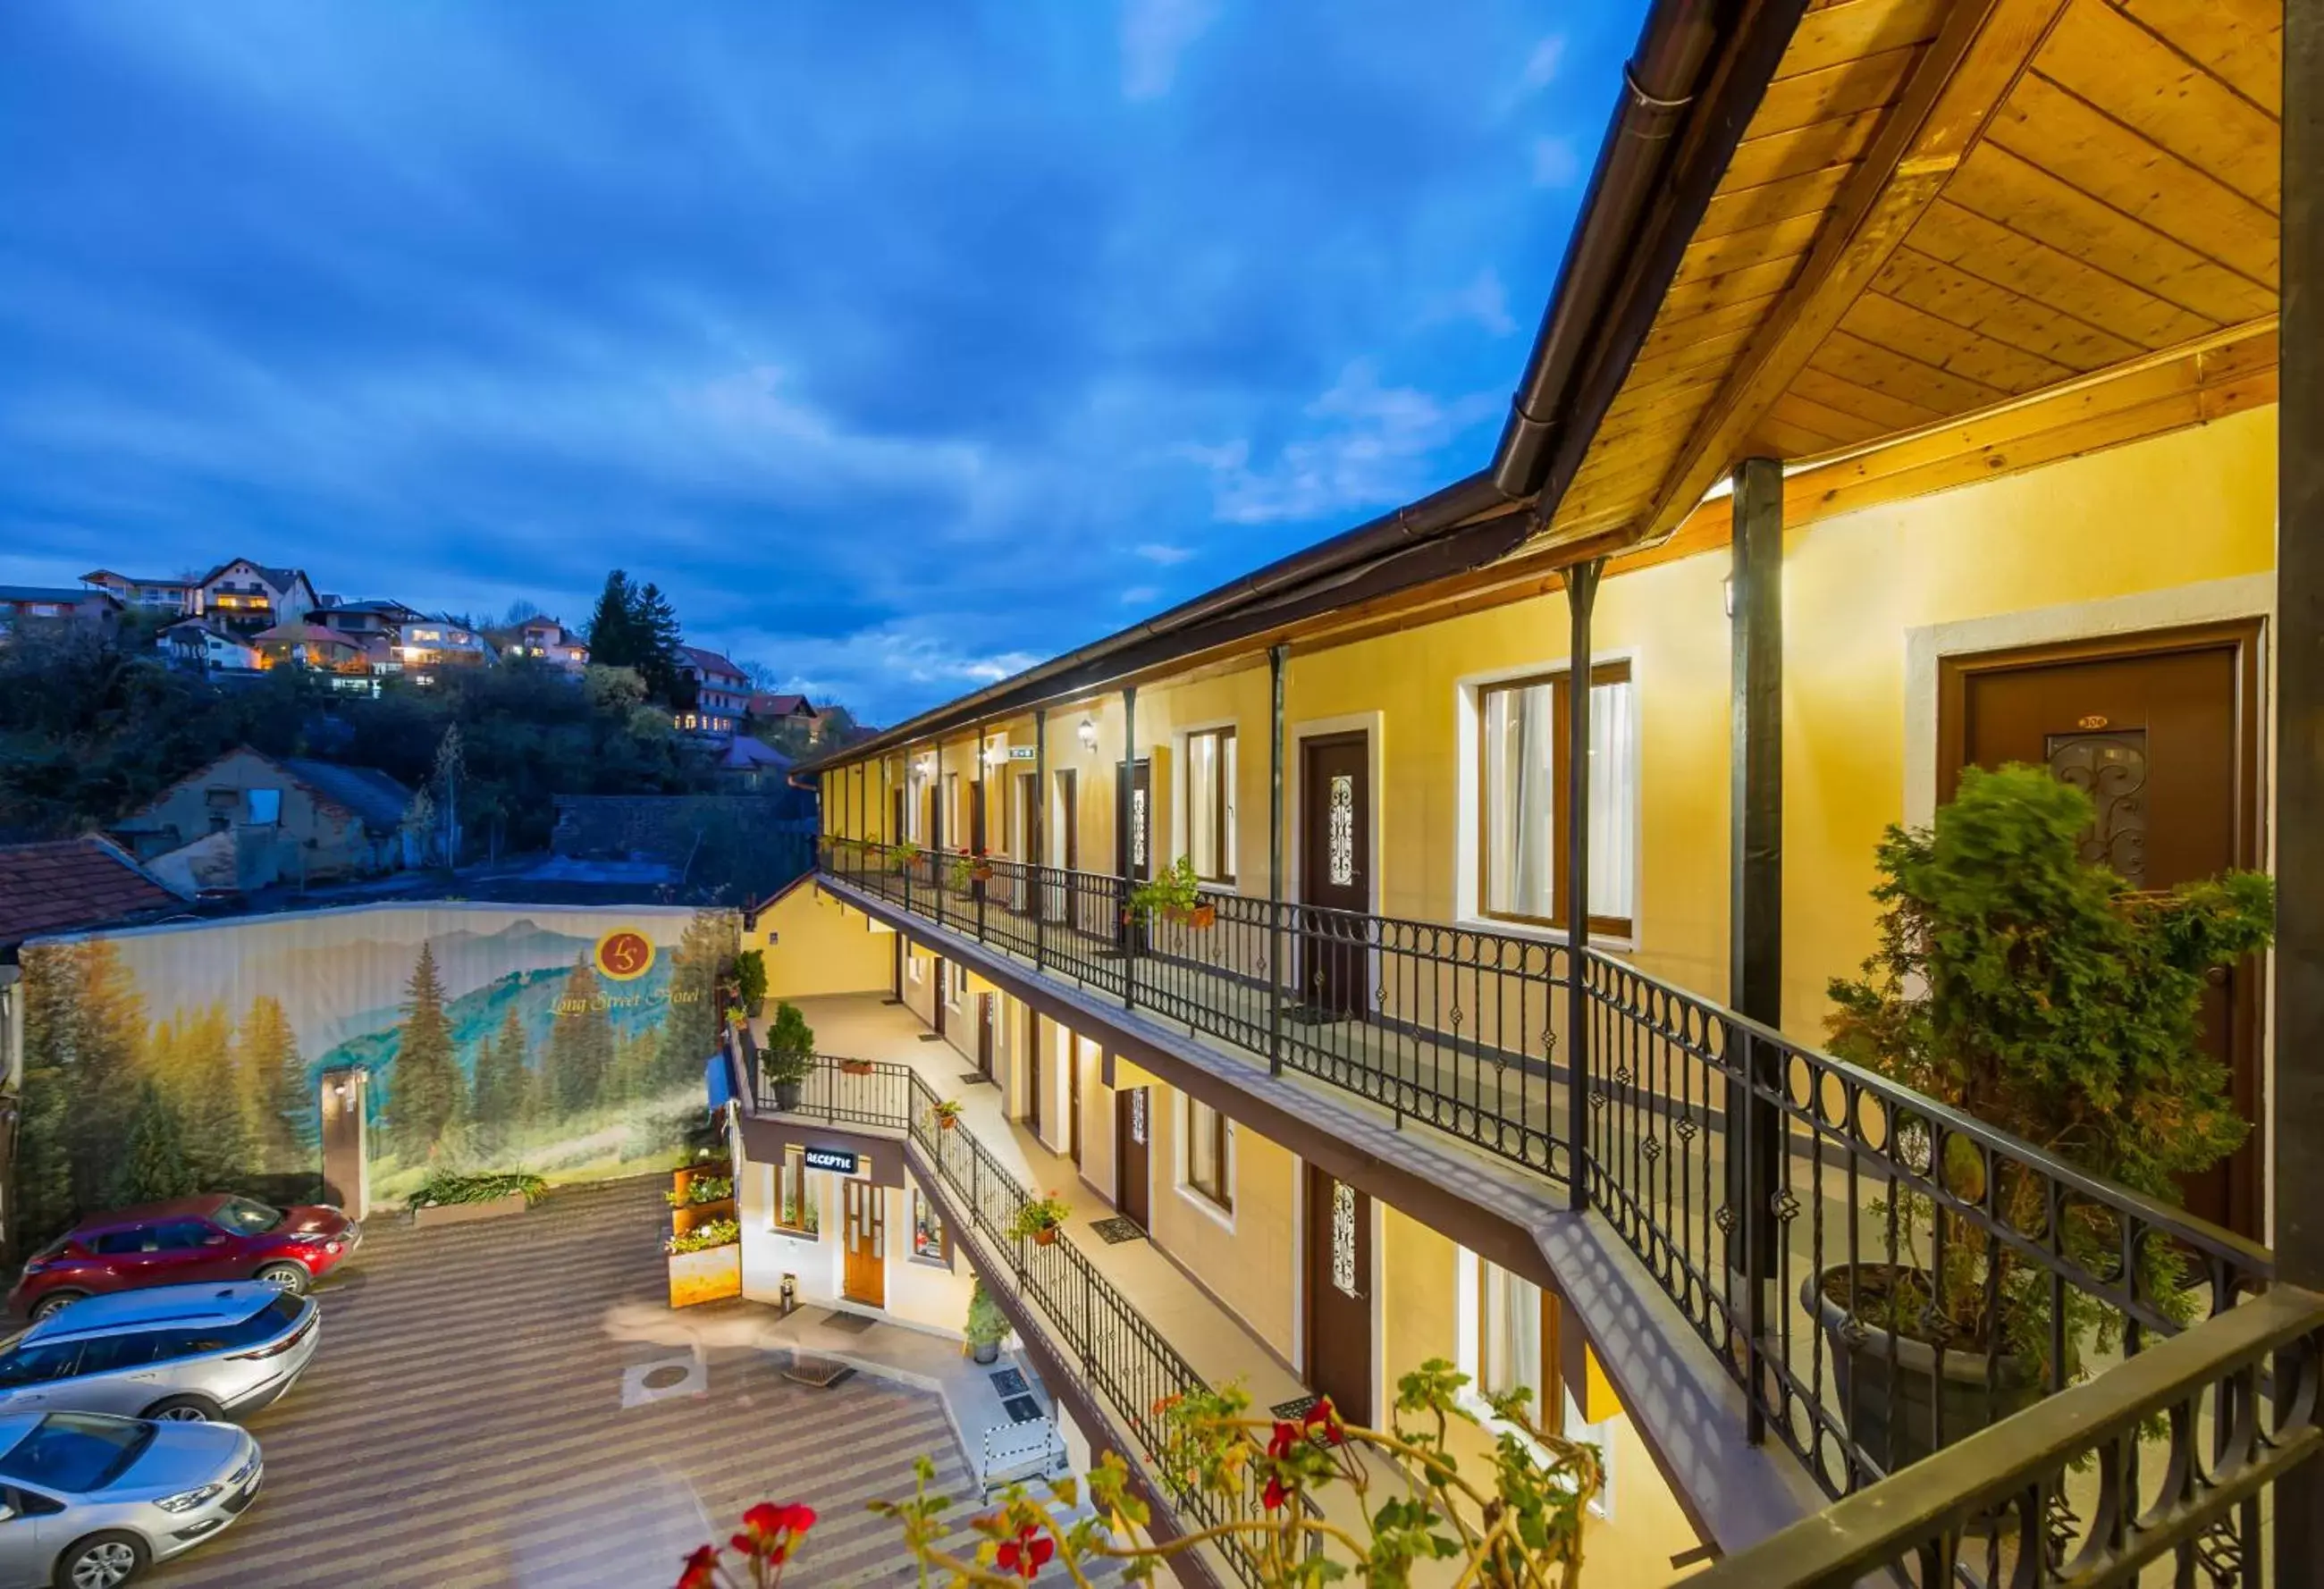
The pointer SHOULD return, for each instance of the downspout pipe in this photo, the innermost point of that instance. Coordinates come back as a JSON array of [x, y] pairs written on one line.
[[1659, 84]]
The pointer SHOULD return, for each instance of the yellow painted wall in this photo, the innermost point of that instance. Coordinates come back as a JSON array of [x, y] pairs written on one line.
[[2180, 510], [1249, 1259], [814, 945]]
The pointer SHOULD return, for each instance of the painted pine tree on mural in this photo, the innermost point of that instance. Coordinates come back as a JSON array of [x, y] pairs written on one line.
[[277, 1099], [503, 1084], [84, 1031], [703, 956], [424, 1093], [580, 1058]]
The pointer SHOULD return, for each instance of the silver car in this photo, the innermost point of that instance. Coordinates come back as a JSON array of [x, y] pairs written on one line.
[[89, 1501], [188, 1353]]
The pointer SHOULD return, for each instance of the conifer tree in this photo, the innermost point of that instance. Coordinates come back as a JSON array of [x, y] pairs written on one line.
[[281, 1101], [503, 1076], [580, 1055], [424, 1087], [153, 1165]]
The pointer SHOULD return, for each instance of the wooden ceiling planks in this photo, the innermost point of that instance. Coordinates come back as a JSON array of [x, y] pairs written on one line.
[[1943, 206]]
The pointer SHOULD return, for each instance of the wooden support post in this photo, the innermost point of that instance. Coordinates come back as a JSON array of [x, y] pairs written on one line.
[[2297, 1129], [1755, 863], [1124, 838], [1580, 600], [1036, 839], [1276, 657]]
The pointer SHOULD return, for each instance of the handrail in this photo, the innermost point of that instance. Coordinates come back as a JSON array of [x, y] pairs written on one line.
[[1997, 1485], [1774, 1192], [1121, 1357]]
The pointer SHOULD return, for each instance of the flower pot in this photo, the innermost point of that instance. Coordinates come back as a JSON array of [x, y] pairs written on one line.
[[499, 1207], [1203, 917], [985, 1351], [1901, 1401], [1047, 1236], [786, 1096], [947, 1122], [855, 1067]]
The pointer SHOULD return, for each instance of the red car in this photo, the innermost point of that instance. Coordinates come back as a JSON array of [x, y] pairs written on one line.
[[193, 1239]]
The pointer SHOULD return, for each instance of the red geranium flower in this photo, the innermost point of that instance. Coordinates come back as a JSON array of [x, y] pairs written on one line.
[[701, 1569], [1274, 1495], [1322, 1423], [1285, 1436], [770, 1531], [1026, 1553]]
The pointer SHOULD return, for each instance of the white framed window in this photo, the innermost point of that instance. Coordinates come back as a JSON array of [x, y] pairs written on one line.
[[955, 984], [928, 1243], [1521, 773], [797, 1210], [1210, 828], [1206, 1153], [918, 965]]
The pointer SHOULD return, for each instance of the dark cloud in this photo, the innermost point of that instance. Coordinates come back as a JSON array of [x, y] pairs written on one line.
[[892, 347]]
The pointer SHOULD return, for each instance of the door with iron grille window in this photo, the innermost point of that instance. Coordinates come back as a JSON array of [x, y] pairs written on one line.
[[1335, 838], [2161, 732], [1339, 1294], [865, 1232], [1133, 1149], [1034, 1086]]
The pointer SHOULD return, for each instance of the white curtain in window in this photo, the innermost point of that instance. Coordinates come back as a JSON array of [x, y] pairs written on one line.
[[1613, 808], [1512, 1334], [1520, 835], [1201, 795], [1227, 851]]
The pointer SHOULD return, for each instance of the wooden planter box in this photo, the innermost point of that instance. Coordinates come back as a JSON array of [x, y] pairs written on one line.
[[706, 1276], [691, 1216], [429, 1214]]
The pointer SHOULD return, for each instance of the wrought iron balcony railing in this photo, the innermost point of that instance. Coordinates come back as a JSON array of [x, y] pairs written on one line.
[[1774, 1193], [1121, 1359]]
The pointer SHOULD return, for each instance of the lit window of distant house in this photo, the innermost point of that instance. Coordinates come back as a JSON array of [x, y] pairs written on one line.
[[927, 1230], [795, 1209], [1205, 1152], [265, 806], [1210, 803], [1522, 770]]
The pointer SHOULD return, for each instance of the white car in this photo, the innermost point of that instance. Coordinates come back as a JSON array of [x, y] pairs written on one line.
[[88, 1501]]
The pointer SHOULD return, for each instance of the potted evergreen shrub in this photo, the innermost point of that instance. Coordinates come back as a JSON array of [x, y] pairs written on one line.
[[987, 1325], [2019, 983], [751, 981], [790, 1050]]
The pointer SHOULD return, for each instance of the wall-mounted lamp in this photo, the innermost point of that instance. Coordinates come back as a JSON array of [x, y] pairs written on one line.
[[1088, 732]]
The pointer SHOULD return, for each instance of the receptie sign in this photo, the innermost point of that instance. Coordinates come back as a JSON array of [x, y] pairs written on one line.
[[838, 1159]]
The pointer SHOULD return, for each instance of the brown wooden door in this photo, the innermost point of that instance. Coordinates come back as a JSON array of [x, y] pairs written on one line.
[[1034, 1087], [1133, 1149], [1134, 819], [2161, 732], [1073, 1098], [1339, 1295], [865, 1231], [989, 1015], [977, 817], [896, 817], [1069, 826], [1335, 839]]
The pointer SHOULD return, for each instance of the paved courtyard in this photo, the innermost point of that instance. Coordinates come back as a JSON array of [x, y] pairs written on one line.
[[463, 1424]]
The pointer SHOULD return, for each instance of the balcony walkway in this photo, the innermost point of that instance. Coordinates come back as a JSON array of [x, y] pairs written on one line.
[[1216, 1342]]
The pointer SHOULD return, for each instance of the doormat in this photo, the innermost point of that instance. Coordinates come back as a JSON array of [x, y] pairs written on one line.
[[1309, 1014], [1117, 1230], [854, 1323], [821, 1372], [931, 1037], [1292, 1411], [1021, 1408], [974, 1077], [1010, 1383]]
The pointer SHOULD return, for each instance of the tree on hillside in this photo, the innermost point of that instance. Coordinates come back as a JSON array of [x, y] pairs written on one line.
[[611, 630], [503, 1077], [424, 1088], [658, 663], [280, 1101], [580, 1056], [635, 627]]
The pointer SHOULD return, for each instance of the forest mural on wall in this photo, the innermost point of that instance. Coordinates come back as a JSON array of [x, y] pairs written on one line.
[[569, 1042]]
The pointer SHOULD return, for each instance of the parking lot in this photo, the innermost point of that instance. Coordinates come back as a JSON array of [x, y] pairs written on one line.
[[464, 1425]]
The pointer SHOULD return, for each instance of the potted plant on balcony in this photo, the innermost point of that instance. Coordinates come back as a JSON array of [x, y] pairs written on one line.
[[2020, 982], [1040, 1218], [751, 981], [855, 1067], [960, 874], [946, 1114], [907, 859], [987, 1327], [790, 1050], [1174, 893]]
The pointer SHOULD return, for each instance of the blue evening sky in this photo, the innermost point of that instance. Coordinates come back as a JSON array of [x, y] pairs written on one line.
[[904, 346]]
